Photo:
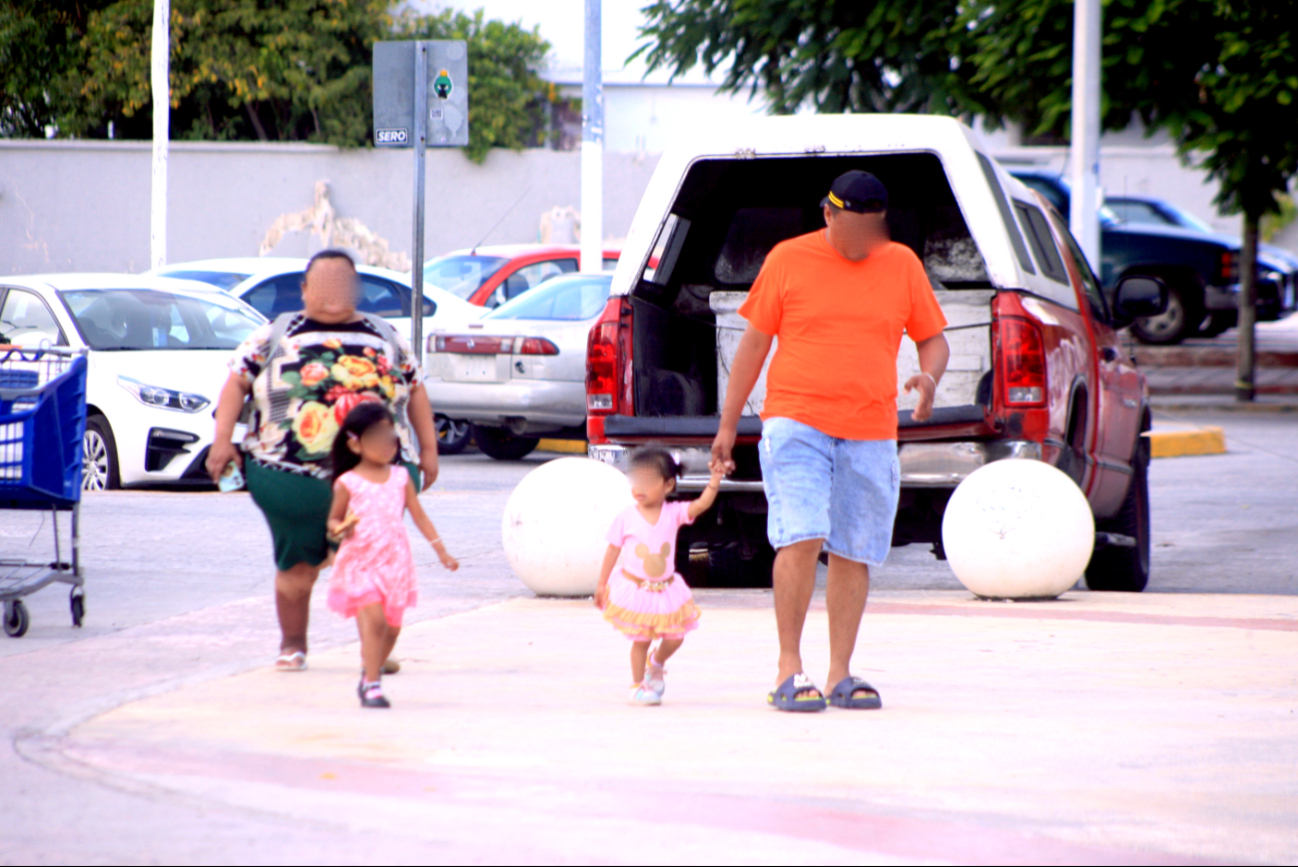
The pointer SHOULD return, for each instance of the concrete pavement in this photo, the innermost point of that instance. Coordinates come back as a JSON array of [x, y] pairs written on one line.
[[1101, 728]]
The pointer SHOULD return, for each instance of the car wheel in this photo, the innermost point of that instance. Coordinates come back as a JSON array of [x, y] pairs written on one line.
[[1218, 322], [1126, 569], [452, 435], [1180, 320], [99, 470], [498, 443]]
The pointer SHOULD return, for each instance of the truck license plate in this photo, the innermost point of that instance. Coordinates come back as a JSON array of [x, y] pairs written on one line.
[[474, 368]]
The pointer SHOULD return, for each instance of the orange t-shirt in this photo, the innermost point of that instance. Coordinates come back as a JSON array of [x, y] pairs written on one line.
[[839, 325]]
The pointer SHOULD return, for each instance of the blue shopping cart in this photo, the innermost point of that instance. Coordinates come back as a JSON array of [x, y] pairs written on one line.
[[42, 423]]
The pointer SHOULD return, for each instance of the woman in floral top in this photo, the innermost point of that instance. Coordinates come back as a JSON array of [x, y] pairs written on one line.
[[329, 359]]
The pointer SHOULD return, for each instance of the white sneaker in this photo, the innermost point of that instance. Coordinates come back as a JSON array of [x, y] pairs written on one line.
[[642, 694]]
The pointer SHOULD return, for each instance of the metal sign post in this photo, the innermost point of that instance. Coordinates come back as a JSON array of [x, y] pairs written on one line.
[[405, 116]]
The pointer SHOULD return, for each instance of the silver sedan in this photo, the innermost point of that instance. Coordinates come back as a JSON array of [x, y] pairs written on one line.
[[519, 373]]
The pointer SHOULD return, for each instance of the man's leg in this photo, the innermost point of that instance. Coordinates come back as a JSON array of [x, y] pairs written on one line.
[[846, 589], [795, 580], [293, 604]]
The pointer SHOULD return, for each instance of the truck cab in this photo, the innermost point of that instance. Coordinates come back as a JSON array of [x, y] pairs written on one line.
[[1036, 369]]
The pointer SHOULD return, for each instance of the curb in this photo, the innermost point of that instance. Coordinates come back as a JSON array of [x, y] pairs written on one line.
[[1168, 441], [1187, 403], [567, 447]]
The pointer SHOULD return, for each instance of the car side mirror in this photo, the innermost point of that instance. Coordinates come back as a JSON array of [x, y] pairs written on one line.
[[1138, 297]]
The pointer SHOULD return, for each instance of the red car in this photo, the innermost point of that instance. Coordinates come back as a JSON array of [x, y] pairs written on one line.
[[490, 276], [1037, 370]]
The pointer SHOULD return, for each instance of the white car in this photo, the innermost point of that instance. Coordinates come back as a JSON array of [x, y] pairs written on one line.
[[273, 285], [158, 350], [520, 373]]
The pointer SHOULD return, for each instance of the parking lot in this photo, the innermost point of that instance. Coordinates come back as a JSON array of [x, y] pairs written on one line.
[[179, 609]]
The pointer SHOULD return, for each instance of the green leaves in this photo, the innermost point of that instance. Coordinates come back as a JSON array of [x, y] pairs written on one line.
[[270, 70]]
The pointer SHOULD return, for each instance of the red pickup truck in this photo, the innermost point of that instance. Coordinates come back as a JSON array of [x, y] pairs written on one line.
[[1037, 371]]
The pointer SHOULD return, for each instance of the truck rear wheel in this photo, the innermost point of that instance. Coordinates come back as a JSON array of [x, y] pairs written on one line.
[[498, 443], [1126, 569]]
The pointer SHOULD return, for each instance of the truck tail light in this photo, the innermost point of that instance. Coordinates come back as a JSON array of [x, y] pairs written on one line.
[[608, 367], [1229, 271], [1021, 361]]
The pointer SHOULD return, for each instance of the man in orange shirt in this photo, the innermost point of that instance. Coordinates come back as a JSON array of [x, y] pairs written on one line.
[[838, 300]]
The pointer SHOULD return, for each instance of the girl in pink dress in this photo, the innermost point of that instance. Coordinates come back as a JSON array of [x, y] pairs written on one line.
[[645, 597], [374, 575]]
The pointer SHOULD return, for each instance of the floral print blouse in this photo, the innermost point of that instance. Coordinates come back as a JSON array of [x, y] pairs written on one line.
[[303, 389]]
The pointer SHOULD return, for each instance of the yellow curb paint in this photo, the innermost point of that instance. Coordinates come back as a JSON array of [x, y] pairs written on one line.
[[1183, 441], [568, 447]]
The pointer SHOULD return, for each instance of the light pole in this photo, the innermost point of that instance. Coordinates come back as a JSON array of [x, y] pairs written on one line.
[[161, 87], [1084, 162], [592, 147]]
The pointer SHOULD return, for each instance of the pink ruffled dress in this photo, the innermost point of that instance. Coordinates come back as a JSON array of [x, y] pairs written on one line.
[[375, 565], [647, 597]]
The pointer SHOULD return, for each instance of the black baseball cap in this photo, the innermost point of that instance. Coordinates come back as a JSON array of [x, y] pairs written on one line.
[[859, 192]]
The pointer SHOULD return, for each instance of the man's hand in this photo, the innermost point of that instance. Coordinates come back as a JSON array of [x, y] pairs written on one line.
[[723, 448], [428, 465], [219, 457], [927, 390]]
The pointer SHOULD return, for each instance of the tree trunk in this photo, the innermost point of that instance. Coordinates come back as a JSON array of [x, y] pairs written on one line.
[[1245, 389], [256, 121]]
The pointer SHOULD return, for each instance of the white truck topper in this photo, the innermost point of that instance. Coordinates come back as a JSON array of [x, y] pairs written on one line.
[[962, 154]]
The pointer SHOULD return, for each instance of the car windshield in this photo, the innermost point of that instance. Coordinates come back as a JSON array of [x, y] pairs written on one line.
[[461, 275], [127, 319], [565, 299], [223, 280]]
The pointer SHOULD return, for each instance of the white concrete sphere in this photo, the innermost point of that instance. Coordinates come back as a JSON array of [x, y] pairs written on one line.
[[556, 523], [1018, 529]]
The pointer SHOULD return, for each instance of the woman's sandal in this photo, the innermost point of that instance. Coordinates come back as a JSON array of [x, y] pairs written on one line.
[[288, 662], [786, 695], [845, 695]]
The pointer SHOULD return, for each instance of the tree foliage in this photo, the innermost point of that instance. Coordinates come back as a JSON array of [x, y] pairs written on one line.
[[40, 40], [1221, 76], [269, 70], [834, 55]]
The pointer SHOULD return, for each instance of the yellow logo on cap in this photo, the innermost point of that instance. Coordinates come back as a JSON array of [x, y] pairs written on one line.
[[835, 201]]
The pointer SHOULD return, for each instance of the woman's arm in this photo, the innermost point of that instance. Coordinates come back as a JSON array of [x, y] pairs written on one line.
[[605, 570], [420, 413], [338, 525], [425, 525], [709, 495], [228, 407]]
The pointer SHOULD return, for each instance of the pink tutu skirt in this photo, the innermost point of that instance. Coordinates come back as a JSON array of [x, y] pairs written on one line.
[[646, 610]]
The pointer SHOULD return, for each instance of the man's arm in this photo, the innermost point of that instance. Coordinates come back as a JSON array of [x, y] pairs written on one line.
[[746, 367], [934, 353]]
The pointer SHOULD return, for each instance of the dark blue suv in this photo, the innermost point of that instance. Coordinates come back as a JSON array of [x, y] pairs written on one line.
[[1200, 268]]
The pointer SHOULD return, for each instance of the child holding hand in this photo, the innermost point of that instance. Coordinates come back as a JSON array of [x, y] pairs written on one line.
[[374, 575], [644, 597]]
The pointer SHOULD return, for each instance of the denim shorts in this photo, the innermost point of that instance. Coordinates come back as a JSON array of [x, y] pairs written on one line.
[[823, 487]]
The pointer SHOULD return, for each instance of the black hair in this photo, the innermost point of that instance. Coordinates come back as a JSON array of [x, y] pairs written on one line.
[[362, 417], [656, 459], [329, 254]]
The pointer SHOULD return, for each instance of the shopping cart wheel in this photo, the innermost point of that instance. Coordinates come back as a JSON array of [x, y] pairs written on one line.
[[16, 619], [77, 602]]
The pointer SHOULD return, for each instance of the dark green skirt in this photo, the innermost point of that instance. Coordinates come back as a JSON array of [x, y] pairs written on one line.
[[297, 510]]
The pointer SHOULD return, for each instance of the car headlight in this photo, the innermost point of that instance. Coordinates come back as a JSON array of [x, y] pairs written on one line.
[[163, 398]]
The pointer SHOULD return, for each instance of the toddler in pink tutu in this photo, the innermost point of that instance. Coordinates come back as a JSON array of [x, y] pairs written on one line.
[[644, 596], [374, 575]]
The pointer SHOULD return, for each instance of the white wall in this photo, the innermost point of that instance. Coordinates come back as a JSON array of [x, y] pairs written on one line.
[[84, 206]]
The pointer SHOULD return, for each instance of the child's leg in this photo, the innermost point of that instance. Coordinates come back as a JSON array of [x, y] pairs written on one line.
[[666, 649], [389, 642], [639, 652], [372, 625]]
